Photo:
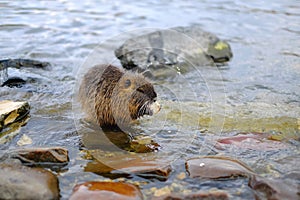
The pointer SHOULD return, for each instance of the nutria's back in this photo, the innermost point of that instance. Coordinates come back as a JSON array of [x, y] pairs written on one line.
[[112, 97]]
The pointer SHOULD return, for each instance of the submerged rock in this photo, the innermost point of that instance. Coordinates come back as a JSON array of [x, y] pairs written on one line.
[[176, 46], [214, 167], [276, 189], [24, 140], [256, 141], [106, 190], [20, 182]]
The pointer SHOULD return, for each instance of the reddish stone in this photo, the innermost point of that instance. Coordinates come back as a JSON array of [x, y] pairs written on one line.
[[254, 141], [216, 167], [106, 190], [214, 195], [275, 189]]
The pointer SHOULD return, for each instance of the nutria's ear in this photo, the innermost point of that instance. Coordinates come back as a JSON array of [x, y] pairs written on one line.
[[127, 83]]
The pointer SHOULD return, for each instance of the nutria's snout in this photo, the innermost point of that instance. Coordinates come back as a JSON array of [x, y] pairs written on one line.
[[155, 107]]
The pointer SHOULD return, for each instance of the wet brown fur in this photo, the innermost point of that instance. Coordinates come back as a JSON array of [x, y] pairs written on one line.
[[114, 97]]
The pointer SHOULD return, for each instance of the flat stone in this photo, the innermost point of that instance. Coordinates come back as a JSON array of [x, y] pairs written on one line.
[[41, 155], [213, 195], [21, 182], [214, 167], [275, 189], [122, 164], [11, 112], [106, 190]]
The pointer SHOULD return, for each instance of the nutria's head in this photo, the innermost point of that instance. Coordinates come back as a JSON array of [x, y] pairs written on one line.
[[132, 98]]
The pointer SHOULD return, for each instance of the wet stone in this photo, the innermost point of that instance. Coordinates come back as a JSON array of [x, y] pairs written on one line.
[[11, 112], [41, 155], [107, 191], [216, 195], [21, 182], [215, 167], [18, 63], [122, 165], [255, 141], [277, 189], [160, 48]]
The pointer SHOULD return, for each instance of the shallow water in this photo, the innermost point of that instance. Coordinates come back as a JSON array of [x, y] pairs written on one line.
[[262, 78]]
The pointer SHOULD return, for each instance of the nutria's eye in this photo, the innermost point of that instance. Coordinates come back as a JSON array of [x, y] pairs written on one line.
[[127, 83]]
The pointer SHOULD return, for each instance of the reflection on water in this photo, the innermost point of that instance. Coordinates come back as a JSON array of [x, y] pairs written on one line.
[[264, 37]]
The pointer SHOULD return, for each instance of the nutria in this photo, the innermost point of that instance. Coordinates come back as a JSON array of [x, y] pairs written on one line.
[[113, 97]]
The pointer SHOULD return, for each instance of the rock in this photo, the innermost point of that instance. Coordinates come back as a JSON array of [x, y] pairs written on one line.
[[24, 140], [13, 82], [20, 182], [122, 165], [212, 195], [270, 188], [11, 112], [176, 46], [18, 63], [256, 141], [5, 80], [41, 155], [106, 190], [143, 144], [214, 167]]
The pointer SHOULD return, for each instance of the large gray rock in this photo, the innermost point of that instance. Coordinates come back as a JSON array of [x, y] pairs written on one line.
[[20, 182], [176, 47]]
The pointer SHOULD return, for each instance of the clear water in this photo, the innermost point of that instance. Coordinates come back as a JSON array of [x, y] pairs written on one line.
[[263, 76]]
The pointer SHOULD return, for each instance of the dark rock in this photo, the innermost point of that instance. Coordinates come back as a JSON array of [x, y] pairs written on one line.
[[106, 190], [21, 182], [213, 195], [176, 47], [18, 63], [14, 82], [270, 188], [216, 167]]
